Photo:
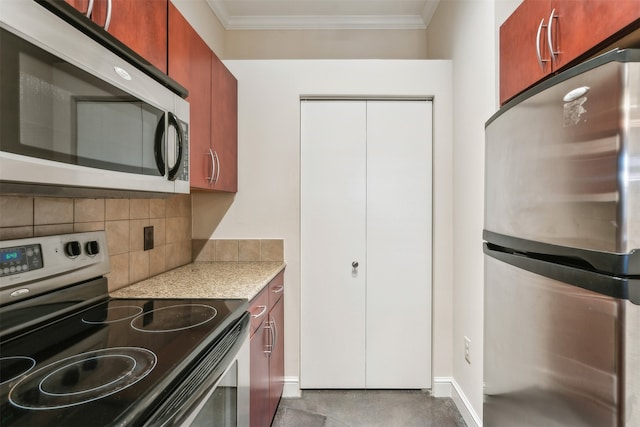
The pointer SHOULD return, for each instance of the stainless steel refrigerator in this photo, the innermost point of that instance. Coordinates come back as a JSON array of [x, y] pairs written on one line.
[[562, 251]]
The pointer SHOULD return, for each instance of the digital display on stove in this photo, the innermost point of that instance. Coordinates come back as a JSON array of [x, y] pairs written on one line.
[[13, 254], [20, 259]]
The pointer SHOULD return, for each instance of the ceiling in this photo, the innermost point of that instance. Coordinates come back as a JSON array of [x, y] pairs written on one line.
[[323, 14]]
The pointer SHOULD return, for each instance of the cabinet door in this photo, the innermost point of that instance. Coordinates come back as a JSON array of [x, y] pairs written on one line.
[[259, 377], [276, 360], [519, 67], [139, 24], [581, 25], [333, 209], [190, 65], [224, 126], [398, 244]]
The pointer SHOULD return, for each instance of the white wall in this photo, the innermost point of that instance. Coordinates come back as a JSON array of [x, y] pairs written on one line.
[[205, 22], [467, 33], [267, 204]]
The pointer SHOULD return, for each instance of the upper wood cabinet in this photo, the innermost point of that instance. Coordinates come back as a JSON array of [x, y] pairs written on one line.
[[545, 36], [213, 100], [190, 65], [139, 24], [224, 127]]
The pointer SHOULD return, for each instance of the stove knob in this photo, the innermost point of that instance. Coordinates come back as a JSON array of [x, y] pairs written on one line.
[[72, 249], [92, 248]]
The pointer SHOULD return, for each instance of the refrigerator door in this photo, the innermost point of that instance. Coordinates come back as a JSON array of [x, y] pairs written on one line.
[[557, 354], [563, 160]]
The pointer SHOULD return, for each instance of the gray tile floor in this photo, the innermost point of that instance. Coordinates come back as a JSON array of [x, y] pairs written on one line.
[[367, 408]]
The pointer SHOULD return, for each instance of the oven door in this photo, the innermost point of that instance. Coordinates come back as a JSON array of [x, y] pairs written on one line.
[[226, 404], [216, 391]]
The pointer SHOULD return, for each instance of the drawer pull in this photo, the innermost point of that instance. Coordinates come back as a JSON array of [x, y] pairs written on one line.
[[278, 290], [264, 310]]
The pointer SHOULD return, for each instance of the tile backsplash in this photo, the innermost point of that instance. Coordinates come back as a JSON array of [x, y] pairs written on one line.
[[238, 250], [122, 219]]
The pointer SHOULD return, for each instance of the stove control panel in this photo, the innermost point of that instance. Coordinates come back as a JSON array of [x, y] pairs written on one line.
[[20, 259], [36, 265]]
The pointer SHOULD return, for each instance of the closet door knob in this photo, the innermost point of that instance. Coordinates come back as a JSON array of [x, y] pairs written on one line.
[[354, 264]]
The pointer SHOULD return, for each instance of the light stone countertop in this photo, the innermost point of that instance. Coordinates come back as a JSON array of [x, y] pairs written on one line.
[[222, 279]]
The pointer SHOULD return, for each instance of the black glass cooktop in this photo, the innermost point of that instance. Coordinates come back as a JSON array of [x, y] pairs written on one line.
[[108, 364]]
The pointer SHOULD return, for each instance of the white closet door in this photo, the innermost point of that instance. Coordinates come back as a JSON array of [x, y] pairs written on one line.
[[333, 208], [399, 139]]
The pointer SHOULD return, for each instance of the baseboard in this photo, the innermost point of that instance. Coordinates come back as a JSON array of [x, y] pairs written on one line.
[[448, 387], [291, 387]]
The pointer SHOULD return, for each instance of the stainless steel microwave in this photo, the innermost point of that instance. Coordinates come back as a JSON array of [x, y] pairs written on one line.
[[73, 114]]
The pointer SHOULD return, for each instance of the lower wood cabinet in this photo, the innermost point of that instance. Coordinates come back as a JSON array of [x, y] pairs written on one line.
[[267, 352]]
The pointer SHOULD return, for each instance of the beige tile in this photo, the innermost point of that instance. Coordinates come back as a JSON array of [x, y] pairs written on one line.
[[81, 227], [116, 209], [10, 233], [159, 231], [171, 260], [184, 252], [178, 229], [178, 206], [49, 210], [157, 208], [249, 250], [50, 230], [272, 250], [136, 236], [16, 211], [226, 250], [203, 250], [157, 260], [117, 236], [119, 274], [89, 210], [139, 208], [138, 266]]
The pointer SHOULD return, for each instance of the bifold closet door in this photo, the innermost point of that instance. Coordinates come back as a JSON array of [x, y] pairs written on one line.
[[398, 353], [332, 236], [365, 199]]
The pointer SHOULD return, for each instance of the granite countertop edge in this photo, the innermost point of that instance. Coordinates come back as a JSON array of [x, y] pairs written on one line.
[[216, 279]]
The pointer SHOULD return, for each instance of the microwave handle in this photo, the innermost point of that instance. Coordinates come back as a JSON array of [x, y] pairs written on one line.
[[157, 148], [173, 121]]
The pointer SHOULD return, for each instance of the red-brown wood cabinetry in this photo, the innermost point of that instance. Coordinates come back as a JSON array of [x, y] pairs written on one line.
[[190, 65], [267, 352], [213, 100], [542, 37], [139, 24], [224, 127]]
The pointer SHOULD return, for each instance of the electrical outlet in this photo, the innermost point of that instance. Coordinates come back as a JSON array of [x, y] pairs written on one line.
[[467, 350], [148, 238]]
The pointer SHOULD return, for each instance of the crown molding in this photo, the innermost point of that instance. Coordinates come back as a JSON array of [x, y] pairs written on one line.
[[321, 22]]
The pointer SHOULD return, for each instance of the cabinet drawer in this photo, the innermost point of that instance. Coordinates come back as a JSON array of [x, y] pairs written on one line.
[[276, 289], [259, 309]]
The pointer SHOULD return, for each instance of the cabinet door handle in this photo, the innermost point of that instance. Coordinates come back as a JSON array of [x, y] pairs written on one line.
[[213, 167], [215, 156], [275, 335], [107, 21], [278, 290], [89, 9], [552, 52], [262, 312], [538, 52], [269, 347]]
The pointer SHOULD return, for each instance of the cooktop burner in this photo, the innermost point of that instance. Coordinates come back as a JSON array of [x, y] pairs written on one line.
[[82, 378], [174, 318], [14, 366], [104, 314]]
